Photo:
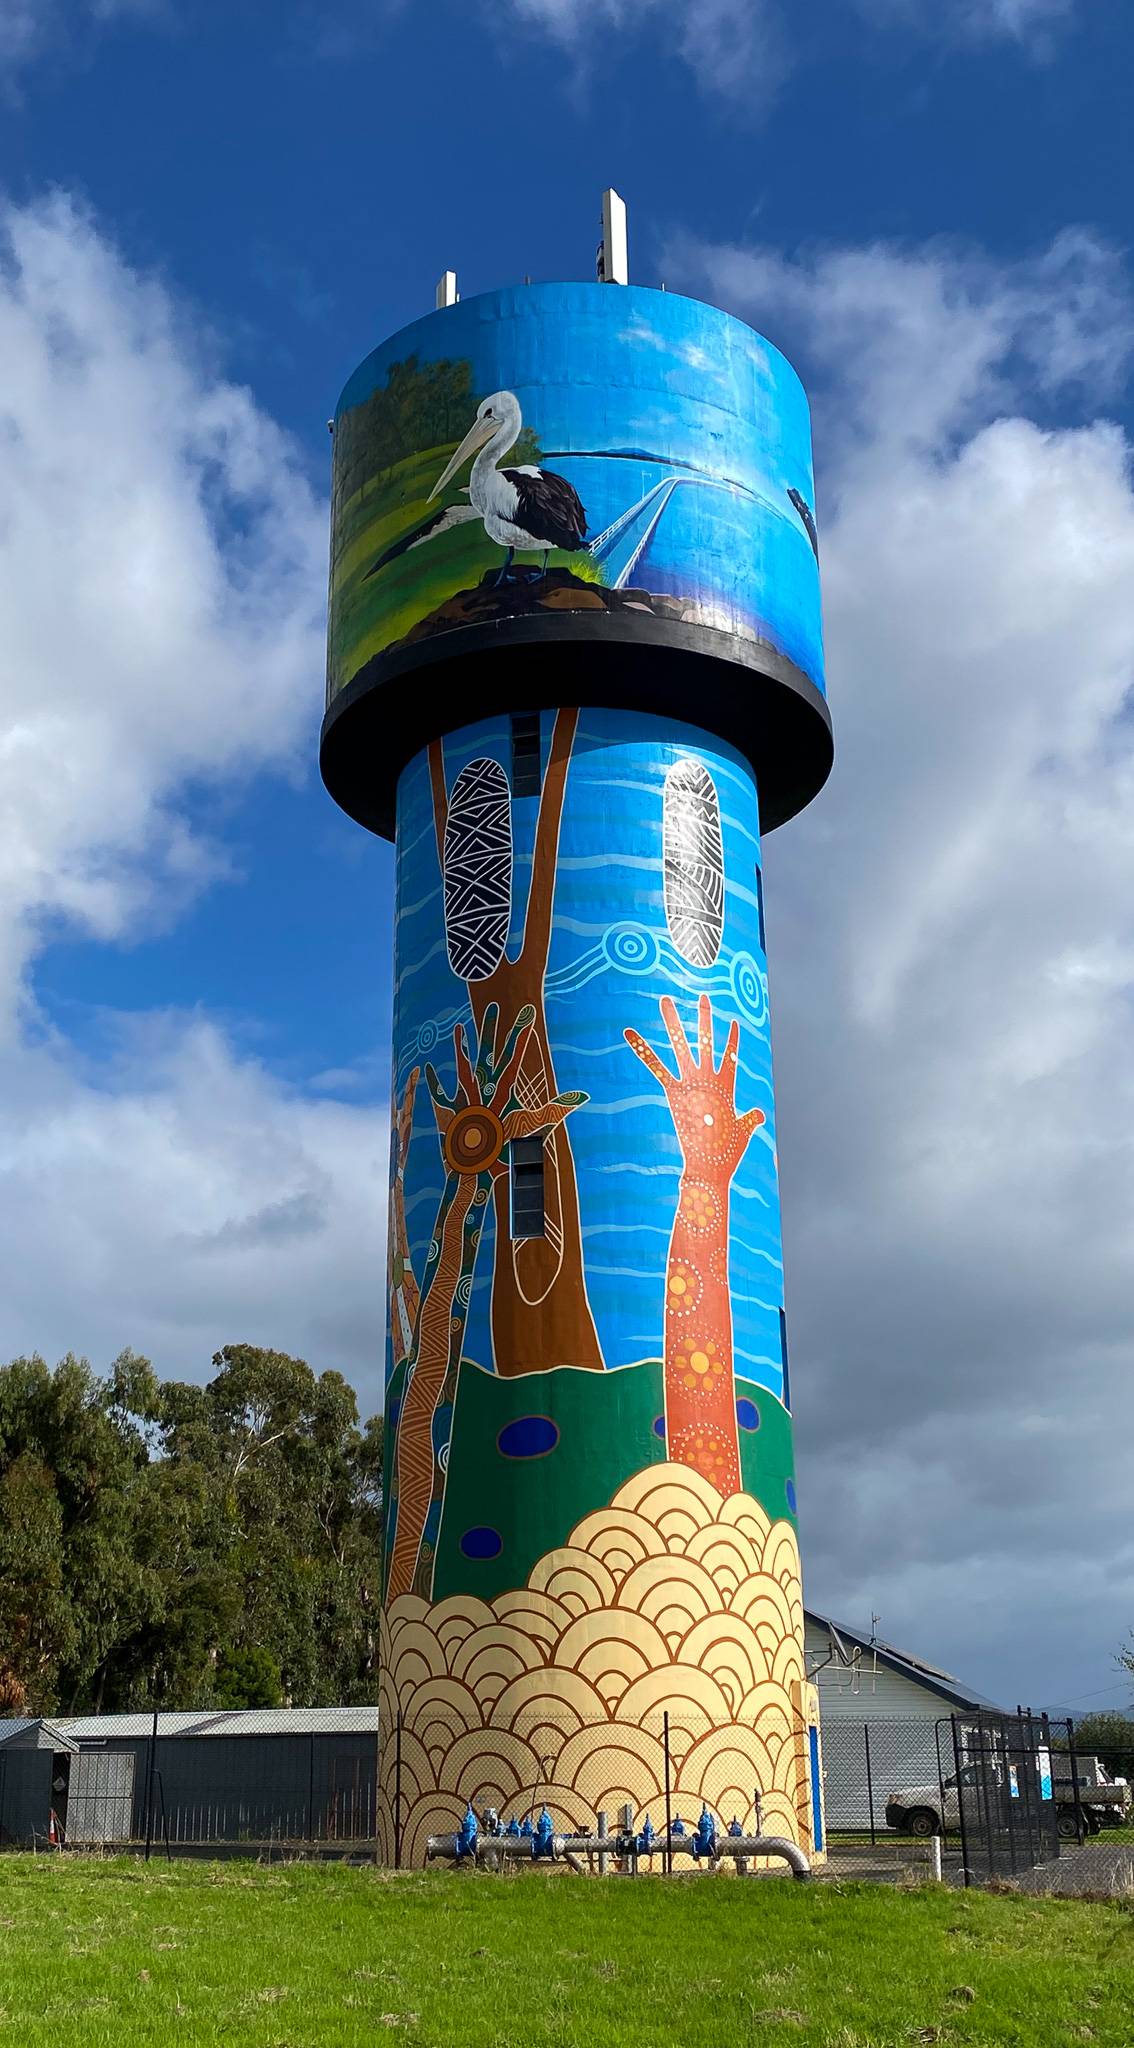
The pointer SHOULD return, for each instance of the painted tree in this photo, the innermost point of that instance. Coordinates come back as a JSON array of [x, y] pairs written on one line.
[[403, 1288], [700, 1389], [540, 1312], [476, 1124]]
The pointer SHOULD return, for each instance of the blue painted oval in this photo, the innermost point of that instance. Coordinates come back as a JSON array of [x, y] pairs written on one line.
[[482, 1543], [530, 1436], [789, 1489], [659, 1426], [747, 1414]]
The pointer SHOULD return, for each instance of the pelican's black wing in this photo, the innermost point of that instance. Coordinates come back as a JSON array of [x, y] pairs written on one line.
[[808, 518], [453, 515], [548, 507]]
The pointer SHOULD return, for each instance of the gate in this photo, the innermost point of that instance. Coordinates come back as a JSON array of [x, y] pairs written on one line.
[[100, 1797], [1000, 1794]]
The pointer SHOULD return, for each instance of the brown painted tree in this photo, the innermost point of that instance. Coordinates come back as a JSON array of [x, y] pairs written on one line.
[[540, 1313]]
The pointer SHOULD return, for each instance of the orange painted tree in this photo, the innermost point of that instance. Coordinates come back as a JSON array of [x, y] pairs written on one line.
[[476, 1126], [700, 1389]]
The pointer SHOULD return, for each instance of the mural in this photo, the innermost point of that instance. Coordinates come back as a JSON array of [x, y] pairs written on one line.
[[573, 449], [591, 1512]]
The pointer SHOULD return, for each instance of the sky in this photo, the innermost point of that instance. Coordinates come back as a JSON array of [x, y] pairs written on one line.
[[208, 214]]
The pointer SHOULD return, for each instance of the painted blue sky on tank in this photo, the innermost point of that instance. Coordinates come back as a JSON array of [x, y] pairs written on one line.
[[628, 389], [611, 958]]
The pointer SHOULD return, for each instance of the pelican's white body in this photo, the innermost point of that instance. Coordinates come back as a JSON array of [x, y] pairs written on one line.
[[495, 497]]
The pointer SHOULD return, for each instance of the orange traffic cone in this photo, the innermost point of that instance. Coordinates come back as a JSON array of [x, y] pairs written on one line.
[[53, 1830]]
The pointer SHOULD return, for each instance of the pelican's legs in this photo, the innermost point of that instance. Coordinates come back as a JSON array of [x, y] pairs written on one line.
[[505, 575]]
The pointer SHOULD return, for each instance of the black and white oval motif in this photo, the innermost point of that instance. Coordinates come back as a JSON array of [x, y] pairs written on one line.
[[478, 870], [693, 861]]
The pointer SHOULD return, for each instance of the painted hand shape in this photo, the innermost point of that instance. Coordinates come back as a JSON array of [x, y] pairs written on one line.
[[481, 1118], [700, 1390], [702, 1098]]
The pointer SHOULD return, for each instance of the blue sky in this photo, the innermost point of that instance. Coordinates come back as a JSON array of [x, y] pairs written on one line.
[[210, 214]]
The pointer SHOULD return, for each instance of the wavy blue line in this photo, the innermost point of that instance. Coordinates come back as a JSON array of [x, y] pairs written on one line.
[[593, 1108], [415, 966], [632, 1166], [627, 1230]]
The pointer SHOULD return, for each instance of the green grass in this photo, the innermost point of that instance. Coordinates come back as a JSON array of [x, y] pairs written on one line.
[[296, 1957]]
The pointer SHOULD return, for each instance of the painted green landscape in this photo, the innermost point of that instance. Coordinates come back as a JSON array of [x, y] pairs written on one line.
[[388, 455]]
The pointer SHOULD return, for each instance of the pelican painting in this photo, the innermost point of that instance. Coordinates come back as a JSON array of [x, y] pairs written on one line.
[[527, 510]]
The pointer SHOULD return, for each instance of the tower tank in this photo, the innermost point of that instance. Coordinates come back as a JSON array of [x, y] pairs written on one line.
[[575, 671]]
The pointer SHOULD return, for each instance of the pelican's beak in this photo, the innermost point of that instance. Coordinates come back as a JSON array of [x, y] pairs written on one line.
[[480, 432]]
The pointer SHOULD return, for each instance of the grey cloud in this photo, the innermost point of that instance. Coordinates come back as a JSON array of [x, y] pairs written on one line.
[[952, 939]]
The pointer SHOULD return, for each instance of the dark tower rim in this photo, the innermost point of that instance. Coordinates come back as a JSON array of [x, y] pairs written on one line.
[[745, 693]]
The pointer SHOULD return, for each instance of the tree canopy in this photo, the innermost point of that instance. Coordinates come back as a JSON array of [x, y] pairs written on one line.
[[170, 1544]]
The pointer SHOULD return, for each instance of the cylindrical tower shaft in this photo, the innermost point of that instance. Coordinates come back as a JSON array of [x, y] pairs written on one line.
[[575, 650]]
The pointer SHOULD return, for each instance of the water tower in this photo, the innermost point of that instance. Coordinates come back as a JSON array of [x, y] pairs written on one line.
[[576, 674]]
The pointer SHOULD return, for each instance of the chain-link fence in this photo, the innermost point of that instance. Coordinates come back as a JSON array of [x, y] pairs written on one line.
[[253, 1783], [971, 1798], [656, 1793], [989, 1797]]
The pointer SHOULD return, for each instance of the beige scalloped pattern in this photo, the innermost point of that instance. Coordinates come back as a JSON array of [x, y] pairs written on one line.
[[671, 1600]]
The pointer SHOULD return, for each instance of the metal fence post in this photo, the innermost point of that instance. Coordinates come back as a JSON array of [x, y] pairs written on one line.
[[869, 1783], [668, 1861], [1073, 1766], [311, 1787], [965, 1872], [150, 1786], [398, 1791]]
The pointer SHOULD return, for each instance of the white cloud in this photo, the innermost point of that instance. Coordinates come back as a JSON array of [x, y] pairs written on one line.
[[743, 49], [1028, 22], [179, 1198], [28, 27], [162, 572], [734, 47], [952, 930], [161, 562]]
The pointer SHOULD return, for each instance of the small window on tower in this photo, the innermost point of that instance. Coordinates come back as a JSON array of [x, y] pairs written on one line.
[[783, 1357], [527, 1187], [525, 753], [760, 907]]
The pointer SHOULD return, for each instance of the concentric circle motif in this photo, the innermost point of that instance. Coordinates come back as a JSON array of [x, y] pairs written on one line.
[[474, 1140], [631, 948]]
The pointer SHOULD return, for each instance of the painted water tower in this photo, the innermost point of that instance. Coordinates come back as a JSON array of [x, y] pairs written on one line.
[[576, 674]]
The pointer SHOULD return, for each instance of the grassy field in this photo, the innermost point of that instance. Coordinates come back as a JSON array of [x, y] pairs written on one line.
[[298, 1957]]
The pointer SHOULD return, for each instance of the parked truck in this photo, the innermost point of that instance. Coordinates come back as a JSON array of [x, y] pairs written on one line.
[[935, 1809]]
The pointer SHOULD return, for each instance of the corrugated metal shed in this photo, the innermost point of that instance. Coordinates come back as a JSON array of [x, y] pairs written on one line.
[[244, 1721], [21, 1733]]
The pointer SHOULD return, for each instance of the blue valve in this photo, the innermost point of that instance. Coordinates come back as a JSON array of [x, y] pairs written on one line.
[[513, 1828], [734, 1826], [527, 1830], [705, 1836], [647, 1838], [466, 1835], [542, 1838], [490, 1821], [678, 1827]]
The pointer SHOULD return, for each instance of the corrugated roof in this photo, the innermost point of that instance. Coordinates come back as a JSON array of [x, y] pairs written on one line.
[[214, 1721], [23, 1733]]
